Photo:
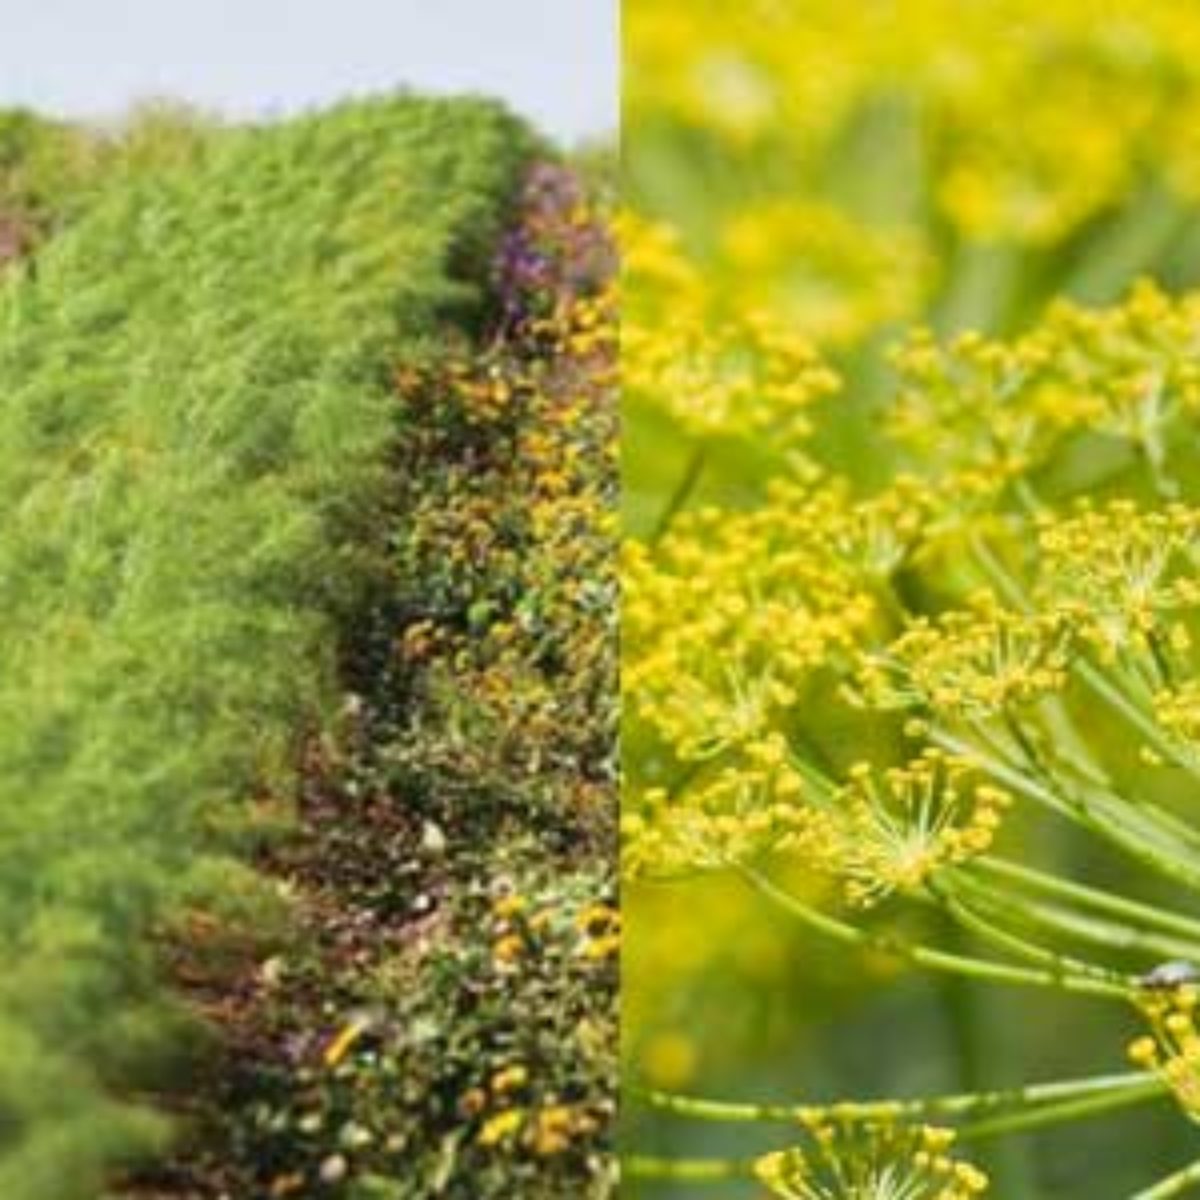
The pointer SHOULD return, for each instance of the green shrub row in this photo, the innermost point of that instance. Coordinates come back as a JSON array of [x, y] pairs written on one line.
[[194, 419]]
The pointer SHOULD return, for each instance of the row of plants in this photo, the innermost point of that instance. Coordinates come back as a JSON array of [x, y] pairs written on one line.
[[499, 722], [438, 1015], [195, 430]]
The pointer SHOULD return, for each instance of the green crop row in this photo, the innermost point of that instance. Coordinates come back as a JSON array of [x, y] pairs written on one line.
[[194, 417]]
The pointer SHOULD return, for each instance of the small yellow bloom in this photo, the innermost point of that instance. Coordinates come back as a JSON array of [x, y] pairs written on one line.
[[508, 948], [552, 1130], [602, 947], [509, 1079], [506, 907], [597, 919], [501, 1127]]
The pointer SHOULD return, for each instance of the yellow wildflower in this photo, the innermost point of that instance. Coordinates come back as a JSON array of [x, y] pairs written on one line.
[[501, 1128], [871, 1161]]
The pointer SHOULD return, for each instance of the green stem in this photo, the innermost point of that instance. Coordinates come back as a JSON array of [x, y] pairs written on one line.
[[1012, 590], [1127, 247], [1140, 818], [924, 956], [1080, 810], [1068, 1110], [1174, 1185], [1103, 932], [1101, 901], [1145, 725], [993, 1103], [980, 287], [1005, 939], [693, 1170], [683, 491], [999, 574]]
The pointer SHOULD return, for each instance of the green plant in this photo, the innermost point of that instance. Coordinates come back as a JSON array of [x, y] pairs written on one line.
[[196, 416]]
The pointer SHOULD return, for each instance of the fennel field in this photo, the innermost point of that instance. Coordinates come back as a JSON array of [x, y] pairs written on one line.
[[303, 456]]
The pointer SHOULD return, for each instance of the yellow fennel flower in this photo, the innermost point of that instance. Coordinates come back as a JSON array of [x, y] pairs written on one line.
[[868, 1161]]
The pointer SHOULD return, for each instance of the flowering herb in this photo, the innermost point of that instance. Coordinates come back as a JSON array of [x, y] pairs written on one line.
[[910, 585]]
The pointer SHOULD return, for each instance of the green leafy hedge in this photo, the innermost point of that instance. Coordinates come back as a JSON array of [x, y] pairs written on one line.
[[194, 413]]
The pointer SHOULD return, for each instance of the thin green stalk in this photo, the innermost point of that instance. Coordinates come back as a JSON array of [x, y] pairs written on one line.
[[813, 776], [691, 1170], [1027, 497], [1054, 885], [924, 956], [981, 287], [999, 575], [1174, 1185], [981, 1045], [1016, 595], [1145, 725], [988, 1104], [1127, 247], [1068, 1110], [1144, 819], [1059, 922], [1004, 939], [1080, 810], [683, 491], [1140, 819]]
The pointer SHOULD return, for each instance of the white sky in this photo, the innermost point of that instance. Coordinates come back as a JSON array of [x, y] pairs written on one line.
[[554, 60]]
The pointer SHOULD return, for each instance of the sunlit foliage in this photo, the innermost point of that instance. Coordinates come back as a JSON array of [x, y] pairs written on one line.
[[195, 408]]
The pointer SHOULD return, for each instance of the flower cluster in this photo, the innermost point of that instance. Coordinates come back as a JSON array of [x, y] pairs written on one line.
[[908, 652], [1123, 576], [871, 1161], [555, 253], [963, 634], [718, 365], [1172, 1048], [991, 410], [1104, 102], [891, 830], [510, 637], [502, 704], [968, 664]]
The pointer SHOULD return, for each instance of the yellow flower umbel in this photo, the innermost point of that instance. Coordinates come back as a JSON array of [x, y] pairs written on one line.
[[1107, 98], [969, 665], [718, 370], [990, 410], [1172, 1048], [747, 807], [731, 614], [1128, 371], [1123, 575], [851, 1161], [895, 828], [974, 406]]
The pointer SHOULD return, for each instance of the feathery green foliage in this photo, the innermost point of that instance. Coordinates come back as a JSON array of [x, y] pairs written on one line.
[[194, 408]]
